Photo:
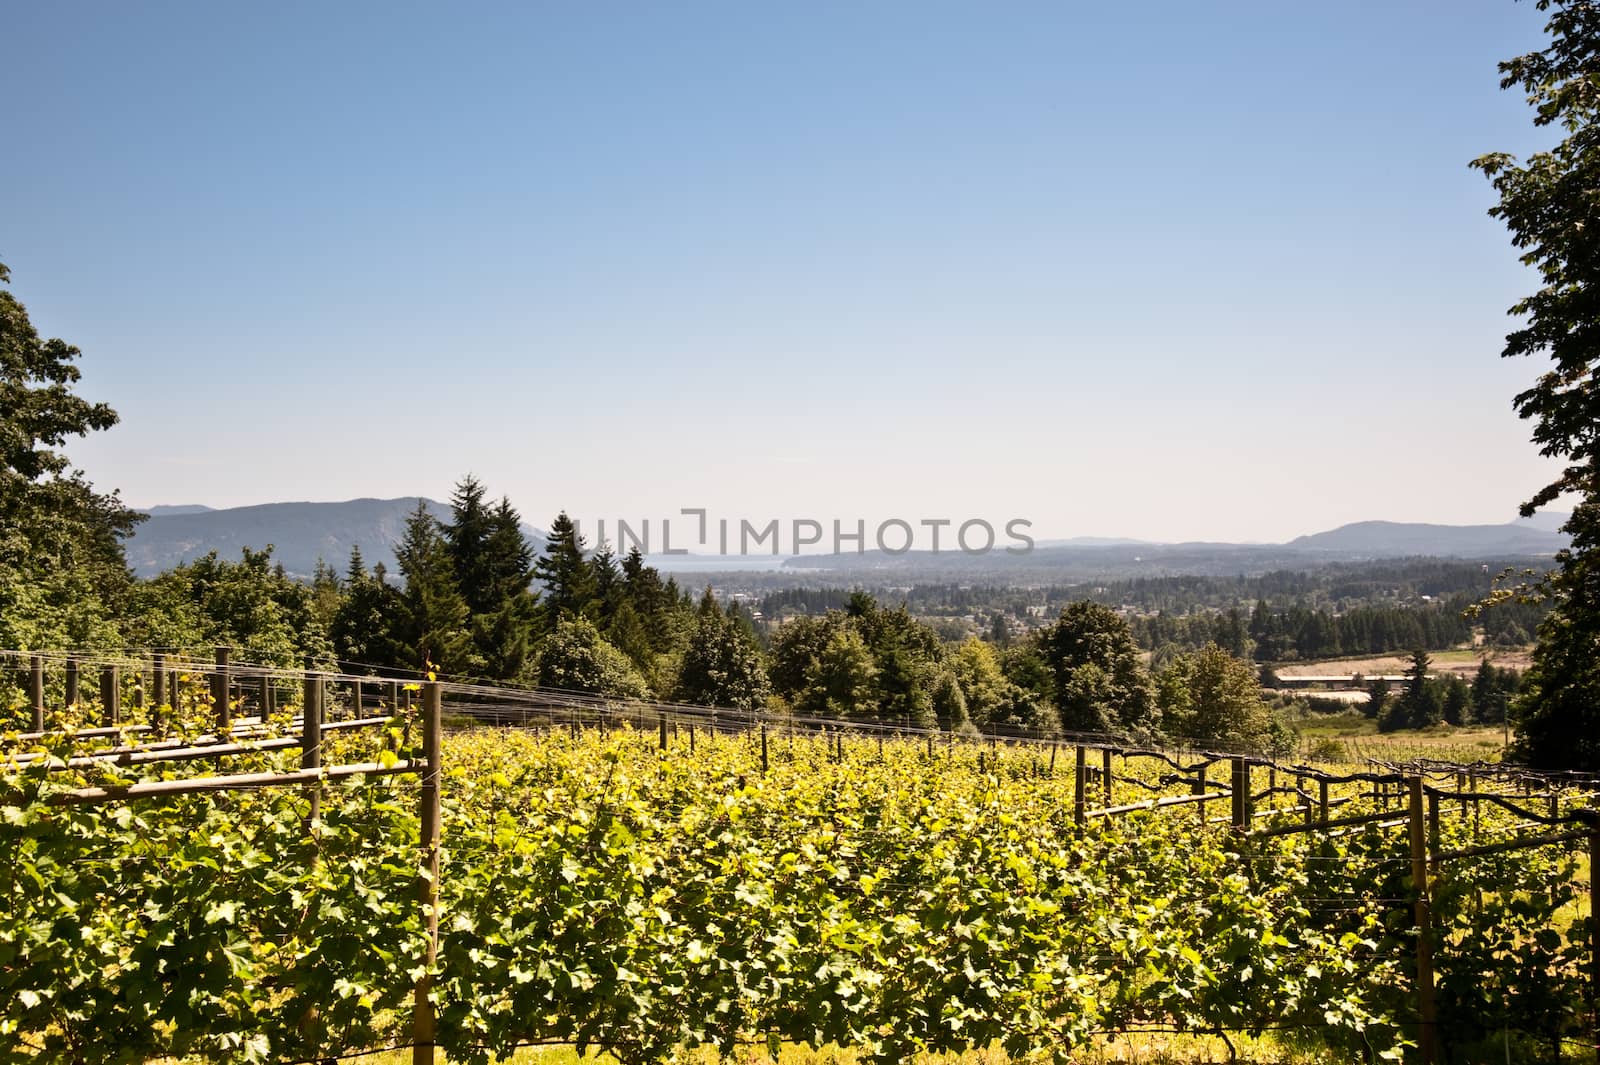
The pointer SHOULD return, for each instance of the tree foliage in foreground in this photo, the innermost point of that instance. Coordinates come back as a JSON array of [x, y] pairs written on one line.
[[1549, 204], [62, 573]]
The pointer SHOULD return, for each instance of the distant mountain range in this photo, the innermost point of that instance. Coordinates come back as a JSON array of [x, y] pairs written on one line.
[[303, 533], [300, 533], [1375, 539]]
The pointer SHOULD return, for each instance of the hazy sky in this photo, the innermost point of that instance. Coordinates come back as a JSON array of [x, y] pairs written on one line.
[[1170, 270]]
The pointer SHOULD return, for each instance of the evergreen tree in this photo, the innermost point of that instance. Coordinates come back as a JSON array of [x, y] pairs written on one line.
[[326, 593], [434, 623], [651, 602], [505, 634], [1232, 635], [1491, 693], [626, 632], [906, 655], [569, 588], [363, 631], [1265, 632], [722, 666], [1377, 698], [1548, 204], [1419, 704], [950, 705], [609, 587], [467, 537], [796, 644], [1457, 701]]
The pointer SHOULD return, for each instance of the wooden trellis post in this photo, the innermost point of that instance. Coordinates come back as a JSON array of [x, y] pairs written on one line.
[[1240, 789], [1428, 1036], [72, 694], [110, 697], [1078, 808], [311, 736], [220, 683], [36, 690], [422, 1014]]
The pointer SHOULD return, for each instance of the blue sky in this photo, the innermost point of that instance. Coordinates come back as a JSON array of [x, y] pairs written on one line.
[[1211, 271]]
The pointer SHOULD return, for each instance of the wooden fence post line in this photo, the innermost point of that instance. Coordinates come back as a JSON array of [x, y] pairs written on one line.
[[1428, 1036], [311, 737], [220, 683], [110, 697], [1105, 771], [1240, 787], [764, 762], [1200, 788], [72, 694], [1322, 801], [1053, 746], [662, 723], [422, 1016], [691, 737], [1078, 808], [36, 690]]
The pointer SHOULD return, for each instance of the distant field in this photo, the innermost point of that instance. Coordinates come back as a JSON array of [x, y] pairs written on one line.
[[1353, 698], [1464, 661]]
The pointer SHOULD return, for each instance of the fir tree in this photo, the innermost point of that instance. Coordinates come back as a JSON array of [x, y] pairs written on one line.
[[435, 623], [1419, 704], [568, 580], [363, 630], [1377, 699], [1457, 701], [467, 537]]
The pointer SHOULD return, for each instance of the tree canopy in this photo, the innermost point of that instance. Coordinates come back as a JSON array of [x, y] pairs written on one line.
[[1549, 204], [62, 572]]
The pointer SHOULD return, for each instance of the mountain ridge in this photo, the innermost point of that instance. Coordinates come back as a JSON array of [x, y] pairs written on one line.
[[303, 532]]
